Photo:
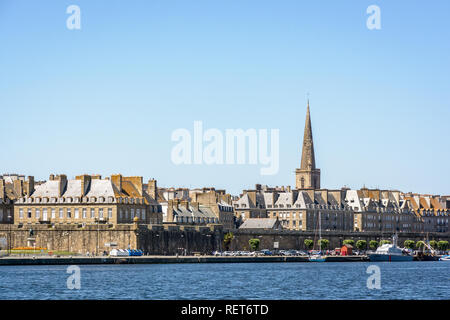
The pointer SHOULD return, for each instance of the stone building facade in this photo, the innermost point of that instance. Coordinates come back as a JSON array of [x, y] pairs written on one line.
[[219, 202], [12, 187], [187, 212], [297, 209], [88, 199], [382, 211], [197, 206], [431, 211]]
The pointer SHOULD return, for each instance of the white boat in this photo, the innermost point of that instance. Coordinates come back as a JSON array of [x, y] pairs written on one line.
[[390, 252], [119, 253], [445, 258], [317, 258]]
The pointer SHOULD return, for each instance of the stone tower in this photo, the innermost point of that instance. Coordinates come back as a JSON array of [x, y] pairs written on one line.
[[307, 176]]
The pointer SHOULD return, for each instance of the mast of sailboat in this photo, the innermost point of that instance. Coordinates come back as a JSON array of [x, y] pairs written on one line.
[[320, 228]]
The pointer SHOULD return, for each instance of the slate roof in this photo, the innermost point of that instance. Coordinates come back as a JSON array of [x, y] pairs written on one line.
[[260, 223]]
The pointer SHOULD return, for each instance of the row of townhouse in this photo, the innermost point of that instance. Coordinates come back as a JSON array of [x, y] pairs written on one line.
[[432, 210], [382, 211], [85, 199], [345, 209], [114, 200], [296, 209], [197, 206]]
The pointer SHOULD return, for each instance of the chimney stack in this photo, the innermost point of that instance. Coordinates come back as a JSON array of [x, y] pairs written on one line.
[[195, 205], [117, 181], [62, 178], [137, 182], [18, 187], [85, 183], [2, 189], [152, 189], [185, 204], [30, 186]]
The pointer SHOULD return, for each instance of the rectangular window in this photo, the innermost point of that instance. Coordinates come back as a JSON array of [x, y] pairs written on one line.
[[138, 213], [69, 213], [44, 214], [53, 213], [77, 213], [143, 214], [110, 213], [100, 213], [132, 213], [38, 213], [61, 213], [92, 213], [84, 213], [21, 213]]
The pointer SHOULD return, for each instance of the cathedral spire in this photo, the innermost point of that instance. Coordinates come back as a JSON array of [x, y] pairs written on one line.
[[307, 176], [308, 158]]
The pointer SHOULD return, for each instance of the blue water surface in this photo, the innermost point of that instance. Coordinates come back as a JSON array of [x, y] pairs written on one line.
[[400, 280]]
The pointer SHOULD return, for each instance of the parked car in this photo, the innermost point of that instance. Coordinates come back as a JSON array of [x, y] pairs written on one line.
[[267, 252], [291, 253]]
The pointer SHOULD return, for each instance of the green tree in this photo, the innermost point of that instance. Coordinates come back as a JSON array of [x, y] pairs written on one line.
[[323, 243], [409, 244], [384, 242], [420, 244], [254, 244], [373, 244], [361, 244], [227, 240], [434, 244], [443, 245], [309, 243], [349, 241]]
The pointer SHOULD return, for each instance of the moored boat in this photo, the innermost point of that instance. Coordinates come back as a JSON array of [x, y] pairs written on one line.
[[390, 252], [317, 258], [445, 258]]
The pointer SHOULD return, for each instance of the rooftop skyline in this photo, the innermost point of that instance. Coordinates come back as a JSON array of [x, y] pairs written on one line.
[[105, 99]]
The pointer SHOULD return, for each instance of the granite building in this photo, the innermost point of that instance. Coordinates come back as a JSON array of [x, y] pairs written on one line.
[[88, 199]]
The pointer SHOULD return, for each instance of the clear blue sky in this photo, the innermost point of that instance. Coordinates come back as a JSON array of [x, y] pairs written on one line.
[[105, 99]]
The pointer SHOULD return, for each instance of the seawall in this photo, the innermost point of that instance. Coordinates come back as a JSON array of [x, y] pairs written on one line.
[[165, 259]]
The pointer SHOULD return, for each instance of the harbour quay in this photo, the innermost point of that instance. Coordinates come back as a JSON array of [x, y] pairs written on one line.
[[166, 259]]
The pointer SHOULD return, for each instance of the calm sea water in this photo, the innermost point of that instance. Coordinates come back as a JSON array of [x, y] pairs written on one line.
[[402, 280]]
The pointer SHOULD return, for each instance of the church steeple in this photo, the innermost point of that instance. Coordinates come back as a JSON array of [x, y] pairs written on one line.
[[307, 176], [308, 158]]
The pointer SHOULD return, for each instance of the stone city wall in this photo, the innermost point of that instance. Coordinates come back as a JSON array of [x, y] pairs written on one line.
[[295, 239], [152, 239], [173, 239]]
